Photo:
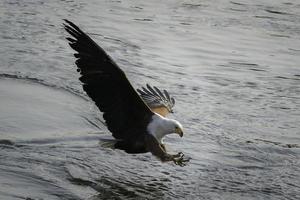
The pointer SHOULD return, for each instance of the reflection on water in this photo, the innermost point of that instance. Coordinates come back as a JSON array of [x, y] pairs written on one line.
[[232, 67]]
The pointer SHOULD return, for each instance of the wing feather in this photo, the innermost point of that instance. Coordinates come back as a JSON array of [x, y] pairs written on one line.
[[155, 98]]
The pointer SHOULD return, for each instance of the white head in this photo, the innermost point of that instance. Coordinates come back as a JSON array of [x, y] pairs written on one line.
[[161, 126]]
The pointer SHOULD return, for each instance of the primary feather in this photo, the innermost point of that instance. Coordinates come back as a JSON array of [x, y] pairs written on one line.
[[155, 98]]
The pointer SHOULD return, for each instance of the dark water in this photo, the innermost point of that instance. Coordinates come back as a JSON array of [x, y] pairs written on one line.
[[233, 67]]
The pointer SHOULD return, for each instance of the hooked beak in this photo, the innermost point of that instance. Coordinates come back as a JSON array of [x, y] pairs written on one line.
[[179, 132]]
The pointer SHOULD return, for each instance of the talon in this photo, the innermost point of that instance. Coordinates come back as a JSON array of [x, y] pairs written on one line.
[[179, 155], [180, 159]]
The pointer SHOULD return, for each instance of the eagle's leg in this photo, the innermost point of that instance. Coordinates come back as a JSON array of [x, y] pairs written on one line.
[[178, 159], [159, 151], [178, 155]]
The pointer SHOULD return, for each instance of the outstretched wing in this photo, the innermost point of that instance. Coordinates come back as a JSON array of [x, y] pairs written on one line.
[[158, 101], [125, 113]]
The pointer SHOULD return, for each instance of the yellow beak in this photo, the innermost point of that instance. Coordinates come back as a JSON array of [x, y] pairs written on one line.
[[179, 131]]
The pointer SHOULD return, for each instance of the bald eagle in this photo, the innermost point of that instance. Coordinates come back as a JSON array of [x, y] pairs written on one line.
[[136, 127]]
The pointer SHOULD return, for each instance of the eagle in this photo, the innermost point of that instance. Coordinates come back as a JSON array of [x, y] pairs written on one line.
[[137, 122]]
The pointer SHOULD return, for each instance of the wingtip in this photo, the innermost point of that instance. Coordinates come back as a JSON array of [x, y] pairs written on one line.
[[148, 86], [67, 21], [73, 28], [173, 101]]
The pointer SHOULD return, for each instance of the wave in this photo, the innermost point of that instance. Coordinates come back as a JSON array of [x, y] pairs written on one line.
[[35, 80]]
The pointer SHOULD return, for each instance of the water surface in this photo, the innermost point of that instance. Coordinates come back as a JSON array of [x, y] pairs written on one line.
[[233, 67]]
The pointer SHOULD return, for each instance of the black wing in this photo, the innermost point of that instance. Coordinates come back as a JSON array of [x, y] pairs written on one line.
[[155, 98], [125, 113]]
